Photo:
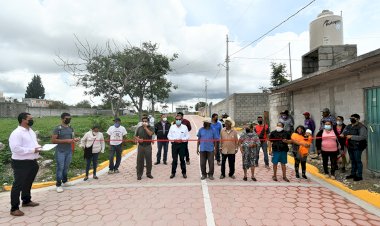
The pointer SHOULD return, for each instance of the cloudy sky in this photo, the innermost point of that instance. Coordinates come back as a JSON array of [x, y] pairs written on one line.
[[34, 32]]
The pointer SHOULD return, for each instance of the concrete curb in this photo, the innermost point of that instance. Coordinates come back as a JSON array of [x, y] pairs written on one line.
[[365, 195], [101, 166]]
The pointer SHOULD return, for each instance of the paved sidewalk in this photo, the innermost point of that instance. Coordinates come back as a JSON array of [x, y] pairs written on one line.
[[120, 199]]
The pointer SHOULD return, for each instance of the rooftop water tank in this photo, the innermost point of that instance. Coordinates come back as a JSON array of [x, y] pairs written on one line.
[[327, 29]]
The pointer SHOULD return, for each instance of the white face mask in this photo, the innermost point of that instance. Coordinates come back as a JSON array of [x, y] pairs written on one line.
[[164, 119], [279, 129], [95, 133]]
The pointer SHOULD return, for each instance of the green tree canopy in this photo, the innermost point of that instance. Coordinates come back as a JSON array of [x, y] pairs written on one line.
[[35, 89], [199, 105], [83, 104], [278, 75]]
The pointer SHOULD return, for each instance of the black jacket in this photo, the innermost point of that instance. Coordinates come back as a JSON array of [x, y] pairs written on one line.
[[159, 130]]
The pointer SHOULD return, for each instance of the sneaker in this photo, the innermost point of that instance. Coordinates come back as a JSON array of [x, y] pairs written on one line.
[[30, 204], [304, 176], [184, 176], [218, 163], [358, 178], [211, 177], [350, 177], [172, 176], [116, 171], [274, 178], [156, 163], [95, 177], [244, 178], [138, 178], [149, 176], [188, 162], [203, 177], [85, 178], [165, 163], [17, 213], [221, 177], [110, 171], [253, 178], [233, 176], [59, 189], [332, 177]]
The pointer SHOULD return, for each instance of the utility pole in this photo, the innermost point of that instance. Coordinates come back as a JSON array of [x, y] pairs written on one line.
[[290, 65], [227, 79], [206, 107]]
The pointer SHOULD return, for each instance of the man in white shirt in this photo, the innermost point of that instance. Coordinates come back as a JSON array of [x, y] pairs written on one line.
[[116, 134], [25, 151], [178, 135]]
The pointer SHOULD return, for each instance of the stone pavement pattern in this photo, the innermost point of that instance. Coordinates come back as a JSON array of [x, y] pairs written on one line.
[[120, 199]]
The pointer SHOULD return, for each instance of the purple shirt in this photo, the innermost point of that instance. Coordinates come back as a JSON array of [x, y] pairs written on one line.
[[309, 124]]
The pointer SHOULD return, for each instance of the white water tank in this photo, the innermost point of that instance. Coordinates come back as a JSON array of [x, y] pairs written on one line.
[[327, 29]]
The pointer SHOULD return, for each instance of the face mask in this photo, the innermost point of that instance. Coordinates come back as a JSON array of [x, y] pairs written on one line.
[[67, 121], [145, 123], [178, 122], [95, 133], [327, 127], [30, 122], [339, 122], [279, 129], [164, 119], [260, 122], [353, 121], [117, 125]]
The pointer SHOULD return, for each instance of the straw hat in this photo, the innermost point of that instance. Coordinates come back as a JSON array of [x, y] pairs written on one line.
[[232, 121]]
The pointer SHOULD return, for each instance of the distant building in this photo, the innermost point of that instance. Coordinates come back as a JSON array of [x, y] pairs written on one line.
[[34, 102], [184, 110], [2, 98]]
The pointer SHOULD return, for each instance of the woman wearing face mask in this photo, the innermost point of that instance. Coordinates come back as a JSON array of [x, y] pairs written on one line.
[[327, 144], [249, 142], [301, 142], [280, 140], [339, 128], [93, 143]]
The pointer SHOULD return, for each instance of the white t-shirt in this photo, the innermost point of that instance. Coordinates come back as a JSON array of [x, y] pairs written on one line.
[[116, 134]]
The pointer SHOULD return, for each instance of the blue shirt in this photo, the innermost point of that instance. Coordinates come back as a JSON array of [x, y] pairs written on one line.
[[217, 126], [209, 135]]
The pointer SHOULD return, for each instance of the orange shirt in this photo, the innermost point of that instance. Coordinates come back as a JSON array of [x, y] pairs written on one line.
[[302, 140]]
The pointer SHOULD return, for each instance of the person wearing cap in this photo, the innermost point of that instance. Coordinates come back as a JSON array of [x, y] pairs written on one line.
[[161, 129], [224, 116], [262, 131], [309, 124], [179, 136], [328, 145], [287, 120], [229, 145], [217, 126], [206, 148], [116, 134], [356, 134], [143, 136], [301, 142], [93, 143], [326, 116], [188, 125]]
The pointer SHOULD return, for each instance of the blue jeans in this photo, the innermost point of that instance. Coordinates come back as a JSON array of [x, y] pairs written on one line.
[[160, 145], [63, 159], [115, 149], [94, 159], [264, 146], [356, 162]]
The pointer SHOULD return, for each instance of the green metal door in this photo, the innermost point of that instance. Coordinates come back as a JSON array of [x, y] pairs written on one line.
[[373, 123]]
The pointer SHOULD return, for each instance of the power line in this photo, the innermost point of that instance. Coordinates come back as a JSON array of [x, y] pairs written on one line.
[[274, 27], [263, 58]]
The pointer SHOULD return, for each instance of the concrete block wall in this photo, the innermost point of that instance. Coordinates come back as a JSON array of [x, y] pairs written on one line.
[[278, 102], [11, 109], [41, 112]]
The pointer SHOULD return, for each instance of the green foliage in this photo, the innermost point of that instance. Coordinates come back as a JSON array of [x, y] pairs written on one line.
[[44, 127], [278, 76], [35, 88], [199, 105], [83, 104], [58, 105]]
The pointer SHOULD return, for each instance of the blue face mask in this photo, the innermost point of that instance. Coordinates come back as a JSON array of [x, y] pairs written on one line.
[[117, 125], [327, 127], [178, 122]]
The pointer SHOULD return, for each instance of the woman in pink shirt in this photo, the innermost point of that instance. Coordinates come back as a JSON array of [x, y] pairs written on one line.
[[328, 145]]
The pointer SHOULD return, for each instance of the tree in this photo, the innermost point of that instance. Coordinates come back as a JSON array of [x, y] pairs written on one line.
[[35, 89], [113, 73], [83, 104], [58, 105], [278, 75], [199, 105]]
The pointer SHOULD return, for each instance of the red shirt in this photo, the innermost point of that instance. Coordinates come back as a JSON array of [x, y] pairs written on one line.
[[259, 128]]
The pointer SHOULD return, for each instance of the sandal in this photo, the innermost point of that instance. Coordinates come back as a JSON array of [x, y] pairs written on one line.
[[253, 178], [274, 178], [286, 179], [245, 179]]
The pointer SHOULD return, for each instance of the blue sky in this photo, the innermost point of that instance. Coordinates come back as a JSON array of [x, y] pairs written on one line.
[[34, 32]]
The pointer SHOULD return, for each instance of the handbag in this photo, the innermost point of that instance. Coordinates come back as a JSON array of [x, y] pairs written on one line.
[[88, 150]]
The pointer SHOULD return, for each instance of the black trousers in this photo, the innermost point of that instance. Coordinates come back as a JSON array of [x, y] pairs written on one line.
[[179, 149], [231, 164], [300, 159], [333, 155], [187, 151], [24, 173]]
